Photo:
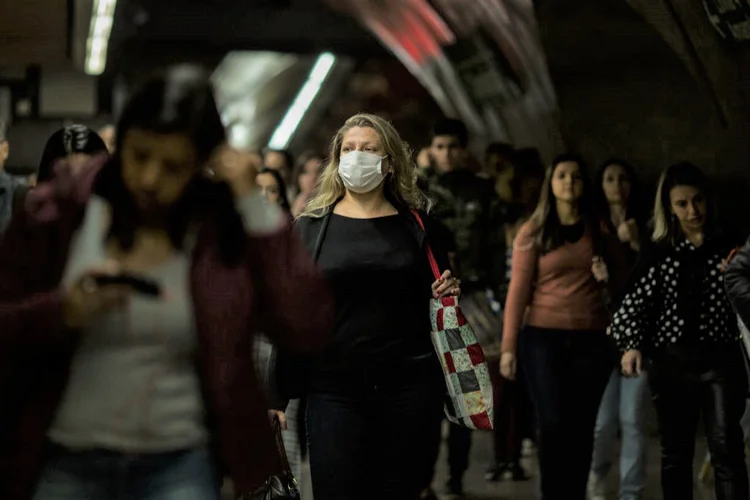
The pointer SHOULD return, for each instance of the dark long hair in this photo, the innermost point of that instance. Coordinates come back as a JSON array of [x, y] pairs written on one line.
[[66, 141], [549, 233], [666, 227], [283, 198], [635, 209], [178, 100]]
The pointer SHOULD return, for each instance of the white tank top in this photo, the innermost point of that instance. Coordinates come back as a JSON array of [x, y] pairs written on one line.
[[133, 384]]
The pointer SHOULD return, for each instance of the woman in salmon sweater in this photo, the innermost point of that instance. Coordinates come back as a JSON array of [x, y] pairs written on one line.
[[556, 292]]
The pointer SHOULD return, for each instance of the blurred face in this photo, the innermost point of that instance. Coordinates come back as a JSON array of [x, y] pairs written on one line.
[[237, 167], [255, 158], [496, 164], [423, 158], [567, 183], [268, 187], [156, 168], [4, 150], [277, 161], [78, 160], [108, 136], [447, 153], [616, 185], [309, 175], [688, 204]]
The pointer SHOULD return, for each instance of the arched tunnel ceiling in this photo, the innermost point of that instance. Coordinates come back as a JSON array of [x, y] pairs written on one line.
[[624, 47], [149, 33]]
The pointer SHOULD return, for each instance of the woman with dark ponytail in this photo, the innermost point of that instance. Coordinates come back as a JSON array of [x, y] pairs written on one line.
[[76, 144], [147, 393]]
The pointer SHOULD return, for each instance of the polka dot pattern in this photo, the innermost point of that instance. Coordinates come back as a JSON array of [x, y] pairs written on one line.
[[654, 299]]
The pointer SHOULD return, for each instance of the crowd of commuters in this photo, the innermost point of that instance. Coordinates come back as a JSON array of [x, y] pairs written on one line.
[[299, 291]]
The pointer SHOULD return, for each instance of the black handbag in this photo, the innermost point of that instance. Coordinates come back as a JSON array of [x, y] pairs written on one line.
[[282, 486]]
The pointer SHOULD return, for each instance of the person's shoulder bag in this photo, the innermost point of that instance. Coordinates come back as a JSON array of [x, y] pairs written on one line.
[[467, 376]]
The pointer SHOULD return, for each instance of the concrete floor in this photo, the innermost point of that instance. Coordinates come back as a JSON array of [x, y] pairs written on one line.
[[479, 489]]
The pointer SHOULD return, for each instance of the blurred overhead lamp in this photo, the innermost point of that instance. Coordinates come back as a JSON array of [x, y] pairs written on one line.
[[102, 18], [319, 72]]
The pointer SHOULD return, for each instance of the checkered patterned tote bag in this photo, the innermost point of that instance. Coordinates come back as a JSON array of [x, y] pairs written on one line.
[[467, 376]]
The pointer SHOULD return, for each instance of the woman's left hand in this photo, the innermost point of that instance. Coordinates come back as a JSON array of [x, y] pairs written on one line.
[[446, 285]]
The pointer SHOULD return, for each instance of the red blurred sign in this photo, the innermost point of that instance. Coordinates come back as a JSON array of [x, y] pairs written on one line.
[[480, 59]]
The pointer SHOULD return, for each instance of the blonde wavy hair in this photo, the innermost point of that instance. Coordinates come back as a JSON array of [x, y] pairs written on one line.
[[400, 184]]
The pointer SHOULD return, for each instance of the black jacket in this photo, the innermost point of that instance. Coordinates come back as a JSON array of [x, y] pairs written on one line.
[[291, 370], [309, 228], [467, 205]]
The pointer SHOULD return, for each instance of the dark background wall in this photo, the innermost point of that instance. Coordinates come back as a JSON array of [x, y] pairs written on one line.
[[624, 90]]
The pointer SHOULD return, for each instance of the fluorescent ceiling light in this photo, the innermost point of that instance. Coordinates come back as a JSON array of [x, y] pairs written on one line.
[[100, 28], [320, 71]]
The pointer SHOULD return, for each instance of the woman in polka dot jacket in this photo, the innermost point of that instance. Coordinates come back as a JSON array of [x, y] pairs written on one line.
[[675, 312]]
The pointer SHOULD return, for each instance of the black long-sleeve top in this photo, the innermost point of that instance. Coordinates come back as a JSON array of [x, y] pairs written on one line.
[[676, 294]]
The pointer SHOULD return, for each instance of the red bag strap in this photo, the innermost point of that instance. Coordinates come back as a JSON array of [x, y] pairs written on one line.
[[430, 256], [729, 258]]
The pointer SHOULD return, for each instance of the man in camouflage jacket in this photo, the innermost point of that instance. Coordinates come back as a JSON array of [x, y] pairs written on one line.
[[466, 204]]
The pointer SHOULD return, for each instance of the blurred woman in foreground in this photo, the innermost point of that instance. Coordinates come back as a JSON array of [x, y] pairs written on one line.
[[119, 392]]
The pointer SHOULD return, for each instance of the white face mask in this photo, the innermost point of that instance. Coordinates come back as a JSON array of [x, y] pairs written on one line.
[[361, 172]]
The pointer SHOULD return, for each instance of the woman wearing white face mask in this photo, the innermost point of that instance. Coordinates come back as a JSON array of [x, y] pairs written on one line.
[[374, 392]]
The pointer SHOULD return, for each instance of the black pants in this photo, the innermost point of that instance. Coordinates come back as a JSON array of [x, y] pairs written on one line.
[[459, 449], [692, 380], [368, 434], [566, 372], [512, 415]]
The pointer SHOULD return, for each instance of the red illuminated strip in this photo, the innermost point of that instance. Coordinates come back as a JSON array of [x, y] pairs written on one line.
[[410, 27]]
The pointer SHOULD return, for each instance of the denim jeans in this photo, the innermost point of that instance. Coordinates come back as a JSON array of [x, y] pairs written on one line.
[[566, 372], [106, 475], [623, 406], [369, 433]]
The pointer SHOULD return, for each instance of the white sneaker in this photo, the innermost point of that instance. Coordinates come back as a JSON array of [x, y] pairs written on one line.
[[596, 487], [527, 448]]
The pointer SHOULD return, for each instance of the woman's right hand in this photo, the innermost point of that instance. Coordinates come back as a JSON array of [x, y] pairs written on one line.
[[632, 363], [508, 365], [86, 300]]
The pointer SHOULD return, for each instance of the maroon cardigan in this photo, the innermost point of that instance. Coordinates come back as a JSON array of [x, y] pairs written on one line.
[[277, 291]]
